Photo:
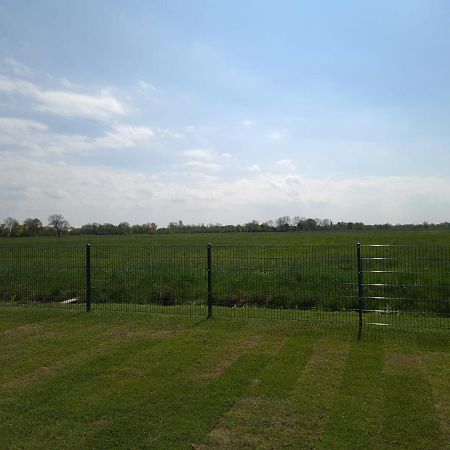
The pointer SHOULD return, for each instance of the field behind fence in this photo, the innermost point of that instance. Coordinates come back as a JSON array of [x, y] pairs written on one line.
[[382, 285]]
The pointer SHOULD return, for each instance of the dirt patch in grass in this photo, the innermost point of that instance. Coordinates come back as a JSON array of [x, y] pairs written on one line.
[[395, 362], [126, 331], [23, 330], [28, 377], [101, 423], [322, 352], [238, 348], [241, 435]]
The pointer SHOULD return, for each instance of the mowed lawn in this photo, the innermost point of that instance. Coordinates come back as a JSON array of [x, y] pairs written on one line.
[[109, 380]]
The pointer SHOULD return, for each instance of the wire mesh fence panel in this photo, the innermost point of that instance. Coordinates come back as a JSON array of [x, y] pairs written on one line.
[[42, 276], [316, 283], [406, 285], [169, 279], [383, 286]]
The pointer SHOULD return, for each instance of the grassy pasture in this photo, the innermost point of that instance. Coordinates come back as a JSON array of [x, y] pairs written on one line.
[[283, 270], [74, 380], [433, 237]]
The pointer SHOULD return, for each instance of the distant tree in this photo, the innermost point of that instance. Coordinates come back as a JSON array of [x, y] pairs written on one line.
[[283, 223], [124, 228], [107, 228], [252, 226], [59, 223], [295, 221], [310, 225], [152, 227], [11, 226], [32, 226]]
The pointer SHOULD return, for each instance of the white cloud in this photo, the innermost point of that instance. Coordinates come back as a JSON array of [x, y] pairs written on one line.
[[101, 106], [18, 68], [254, 168], [198, 153], [35, 137], [84, 194], [204, 166], [206, 160], [166, 133], [125, 136], [285, 165], [274, 136], [145, 86], [21, 133], [248, 123], [66, 83], [21, 125]]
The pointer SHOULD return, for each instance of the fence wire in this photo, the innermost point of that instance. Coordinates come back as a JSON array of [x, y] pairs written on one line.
[[42, 276], [395, 286], [406, 285]]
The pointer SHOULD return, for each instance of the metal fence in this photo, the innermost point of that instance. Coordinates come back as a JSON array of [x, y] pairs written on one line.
[[376, 285]]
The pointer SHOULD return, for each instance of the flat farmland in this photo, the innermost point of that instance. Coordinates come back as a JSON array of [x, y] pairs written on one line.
[[432, 237]]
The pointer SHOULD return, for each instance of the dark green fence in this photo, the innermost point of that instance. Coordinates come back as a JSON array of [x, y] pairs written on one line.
[[367, 284]]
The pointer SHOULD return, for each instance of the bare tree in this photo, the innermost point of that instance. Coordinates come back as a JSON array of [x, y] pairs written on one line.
[[59, 223], [283, 223], [11, 226], [32, 226]]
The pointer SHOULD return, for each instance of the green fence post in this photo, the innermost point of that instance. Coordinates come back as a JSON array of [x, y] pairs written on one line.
[[210, 292], [360, 285], [88, 277]]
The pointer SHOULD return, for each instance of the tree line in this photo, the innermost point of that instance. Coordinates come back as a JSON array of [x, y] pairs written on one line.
[[58, 225]]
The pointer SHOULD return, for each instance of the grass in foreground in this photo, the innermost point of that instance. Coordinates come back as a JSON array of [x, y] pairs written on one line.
[[102, 380]]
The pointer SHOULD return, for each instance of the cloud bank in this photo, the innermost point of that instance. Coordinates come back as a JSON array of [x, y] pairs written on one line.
[[127, 168]]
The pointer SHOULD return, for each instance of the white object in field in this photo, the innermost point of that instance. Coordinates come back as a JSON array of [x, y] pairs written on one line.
[[379, 324], [70, 300]]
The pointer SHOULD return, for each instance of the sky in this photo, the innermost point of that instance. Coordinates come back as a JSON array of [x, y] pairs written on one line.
[[225, 111]]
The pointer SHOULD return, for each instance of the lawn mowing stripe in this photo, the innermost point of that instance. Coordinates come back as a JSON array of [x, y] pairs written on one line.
[[97, 345], [437, 368], [16, 325], [409, 415], [13, 317], [316, 389], [56, 347], [202, 408], [295, 420], [355, 417], [258, 339], [199, 401], [280, 376], [85, 394]]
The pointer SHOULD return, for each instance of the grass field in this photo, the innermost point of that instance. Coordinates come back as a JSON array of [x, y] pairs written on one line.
[[433, 237], [96, 381], [284, 270]]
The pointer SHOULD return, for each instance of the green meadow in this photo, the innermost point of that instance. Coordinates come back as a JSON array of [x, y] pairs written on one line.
[[433, 237]]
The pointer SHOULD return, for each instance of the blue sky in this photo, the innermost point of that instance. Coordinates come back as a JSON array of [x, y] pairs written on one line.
[[225, 112]]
